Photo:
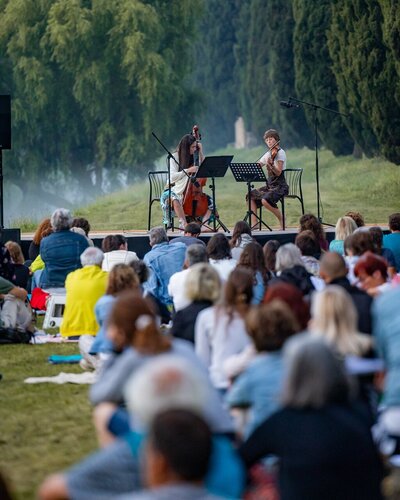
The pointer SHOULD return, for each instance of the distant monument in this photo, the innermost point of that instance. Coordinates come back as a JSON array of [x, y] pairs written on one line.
[[243, 139]]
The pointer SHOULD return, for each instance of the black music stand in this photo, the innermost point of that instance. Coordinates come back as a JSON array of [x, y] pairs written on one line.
[[249, 172], [214, 166]]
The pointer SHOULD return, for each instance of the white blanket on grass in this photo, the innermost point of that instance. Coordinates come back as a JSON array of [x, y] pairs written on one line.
[[65, 378]]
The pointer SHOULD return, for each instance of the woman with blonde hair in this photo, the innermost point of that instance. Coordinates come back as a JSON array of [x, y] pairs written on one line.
[[203, 289], [345, 226], [334, 317]]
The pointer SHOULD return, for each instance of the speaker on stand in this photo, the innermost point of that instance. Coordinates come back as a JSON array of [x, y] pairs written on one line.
[[5, 143]]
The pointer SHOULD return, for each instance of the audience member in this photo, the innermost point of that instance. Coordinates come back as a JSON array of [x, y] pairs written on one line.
[[219, 255], [82, 223], [392, 240], [83, 289], [220, 330], [203, 289], [290, 269], [172, 469], [356, 245], [162, 384], [21, 272], [43, 230], [60, 250], [333, 271], [115, 248], [357, 218], [308, 222], [344, 227], [334, 318], [163, 260], [310, 251], [270, 248], [190, 236], [252, 258], [259, 386], [176, 287], [241, 236], [386, 330], [121, 277], [377, 238], [290, 295], [322, 440], [372, 274], [7, 270], [15, 312], [133, 329]]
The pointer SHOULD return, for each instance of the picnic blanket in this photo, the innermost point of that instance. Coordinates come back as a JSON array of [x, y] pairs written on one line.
[[59, 359]]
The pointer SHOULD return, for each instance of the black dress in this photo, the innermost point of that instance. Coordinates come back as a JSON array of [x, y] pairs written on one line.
[[325, 454], [185, 319]]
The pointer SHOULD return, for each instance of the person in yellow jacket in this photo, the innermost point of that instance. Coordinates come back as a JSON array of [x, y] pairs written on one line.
[[83, 288]]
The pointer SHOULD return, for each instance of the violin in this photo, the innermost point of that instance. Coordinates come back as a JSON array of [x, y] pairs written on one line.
[[274, 151], [195, 202]]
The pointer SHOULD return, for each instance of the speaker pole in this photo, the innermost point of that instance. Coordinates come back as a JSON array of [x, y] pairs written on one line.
[[1, 191]]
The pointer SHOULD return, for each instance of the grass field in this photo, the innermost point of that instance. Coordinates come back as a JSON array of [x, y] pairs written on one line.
[[370, 186], [44, 427]]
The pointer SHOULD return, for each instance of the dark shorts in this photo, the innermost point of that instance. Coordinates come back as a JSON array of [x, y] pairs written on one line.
[[271, 196]]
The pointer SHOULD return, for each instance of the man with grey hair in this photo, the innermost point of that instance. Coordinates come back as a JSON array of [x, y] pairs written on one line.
[[163, 260], [167, 382], [60, 250], [195, 254], [83, 288]]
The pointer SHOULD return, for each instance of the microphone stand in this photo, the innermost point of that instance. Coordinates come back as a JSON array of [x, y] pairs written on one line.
[[169, 156], [315, 108]]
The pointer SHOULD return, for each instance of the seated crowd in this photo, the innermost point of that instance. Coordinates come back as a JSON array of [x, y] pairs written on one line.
[[227, 370]]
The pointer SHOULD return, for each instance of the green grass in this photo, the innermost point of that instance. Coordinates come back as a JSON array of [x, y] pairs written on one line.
[[44, 427], [370, 186]]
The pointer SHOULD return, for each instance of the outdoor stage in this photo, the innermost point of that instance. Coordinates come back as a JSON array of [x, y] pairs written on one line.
[[138, 241]]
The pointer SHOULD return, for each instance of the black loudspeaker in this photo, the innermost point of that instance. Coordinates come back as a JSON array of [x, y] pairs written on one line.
[[5, 122], [10, 234]]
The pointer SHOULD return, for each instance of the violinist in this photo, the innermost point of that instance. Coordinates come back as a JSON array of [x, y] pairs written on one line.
[[275, 162], [181, 167]]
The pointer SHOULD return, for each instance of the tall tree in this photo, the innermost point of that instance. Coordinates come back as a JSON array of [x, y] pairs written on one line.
[[269, 71], [90, 79], [365, 75], [214, 71], [315, 81]]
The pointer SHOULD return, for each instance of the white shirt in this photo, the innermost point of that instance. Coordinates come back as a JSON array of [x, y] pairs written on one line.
[[178, 178], [117, 257], [224, 267], [280, 156], [217, 339], [177, 289]]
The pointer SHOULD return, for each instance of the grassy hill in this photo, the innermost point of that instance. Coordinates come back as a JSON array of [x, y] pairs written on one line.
[[370, 186]]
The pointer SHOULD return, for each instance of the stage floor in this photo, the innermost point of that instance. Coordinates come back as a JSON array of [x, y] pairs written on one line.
[[138, 240]]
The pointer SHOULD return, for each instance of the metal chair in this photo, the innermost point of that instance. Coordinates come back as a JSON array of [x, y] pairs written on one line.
[[293, 179], [158, 181]]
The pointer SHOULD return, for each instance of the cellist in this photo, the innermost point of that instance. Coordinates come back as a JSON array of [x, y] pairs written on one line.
[[275, 162], [182, 166]]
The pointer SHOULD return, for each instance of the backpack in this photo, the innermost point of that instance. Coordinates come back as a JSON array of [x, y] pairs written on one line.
[[14, 336]]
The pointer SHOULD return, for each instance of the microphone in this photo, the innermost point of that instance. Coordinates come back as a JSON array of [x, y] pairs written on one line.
[[288, 104]]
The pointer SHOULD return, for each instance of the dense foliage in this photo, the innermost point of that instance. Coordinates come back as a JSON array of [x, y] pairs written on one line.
[[91, 79]]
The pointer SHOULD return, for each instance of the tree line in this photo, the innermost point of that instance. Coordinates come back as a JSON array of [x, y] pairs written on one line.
[[90, 80]]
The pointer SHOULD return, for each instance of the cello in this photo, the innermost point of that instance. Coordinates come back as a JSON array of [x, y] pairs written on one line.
[[195, 202]]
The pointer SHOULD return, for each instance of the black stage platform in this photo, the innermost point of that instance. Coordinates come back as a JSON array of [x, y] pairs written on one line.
[[138, 241]]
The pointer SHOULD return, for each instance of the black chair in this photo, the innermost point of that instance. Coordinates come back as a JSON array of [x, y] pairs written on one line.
[[158, 180], [293, 179]]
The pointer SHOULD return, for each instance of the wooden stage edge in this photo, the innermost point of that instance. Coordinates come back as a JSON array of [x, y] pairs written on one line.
[[138, 241]]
